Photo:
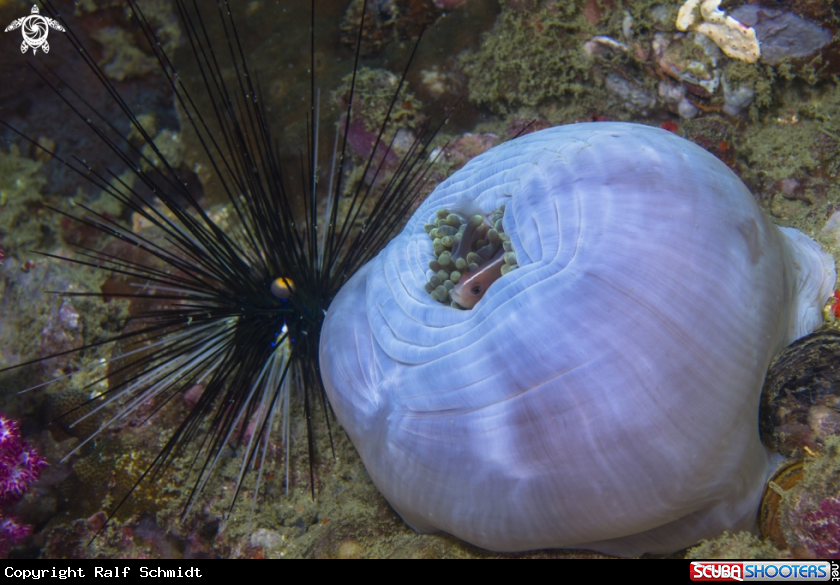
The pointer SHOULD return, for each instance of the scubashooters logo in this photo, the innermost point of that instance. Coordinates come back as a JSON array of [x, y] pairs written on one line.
[[35, 29], [764, 571]]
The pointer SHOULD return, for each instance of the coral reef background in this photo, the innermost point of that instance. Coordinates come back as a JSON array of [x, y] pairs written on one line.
[[775, 122]]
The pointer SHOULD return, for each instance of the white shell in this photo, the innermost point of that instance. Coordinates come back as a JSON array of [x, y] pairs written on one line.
[[605, 394]]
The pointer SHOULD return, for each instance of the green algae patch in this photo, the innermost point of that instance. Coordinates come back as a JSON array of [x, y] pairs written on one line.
[[372, 96], [775, 151], [741, 545], [533, 54], [18, 178], [25, 224], [790, 159]]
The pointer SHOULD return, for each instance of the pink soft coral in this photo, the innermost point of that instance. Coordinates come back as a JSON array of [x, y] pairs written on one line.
[[12, 532], [20, 465]]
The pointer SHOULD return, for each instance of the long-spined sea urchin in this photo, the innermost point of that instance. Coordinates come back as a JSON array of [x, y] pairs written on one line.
[[235, 305]]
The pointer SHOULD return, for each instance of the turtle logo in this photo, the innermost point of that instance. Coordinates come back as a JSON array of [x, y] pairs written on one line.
[[35, 28]]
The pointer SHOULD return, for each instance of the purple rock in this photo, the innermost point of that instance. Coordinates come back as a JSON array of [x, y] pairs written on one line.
[[782, 34]]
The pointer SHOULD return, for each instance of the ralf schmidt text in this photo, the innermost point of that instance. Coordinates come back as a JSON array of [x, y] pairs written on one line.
[[147, 572]]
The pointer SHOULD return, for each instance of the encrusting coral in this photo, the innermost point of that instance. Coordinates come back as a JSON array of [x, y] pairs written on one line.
[[735, 39]]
